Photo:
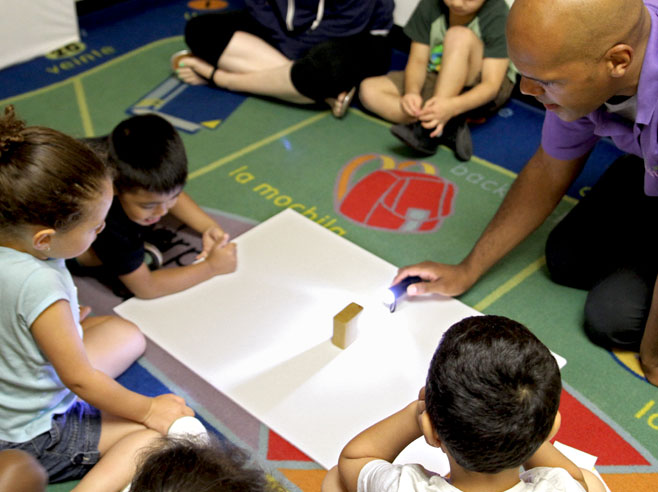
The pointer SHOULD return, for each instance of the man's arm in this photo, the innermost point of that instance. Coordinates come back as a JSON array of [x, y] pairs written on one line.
[[533, 196], [649, 344]]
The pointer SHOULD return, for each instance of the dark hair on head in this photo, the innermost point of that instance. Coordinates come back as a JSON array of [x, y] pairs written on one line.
[[46, 177], [147, 153], [187, 464], [492, 393]]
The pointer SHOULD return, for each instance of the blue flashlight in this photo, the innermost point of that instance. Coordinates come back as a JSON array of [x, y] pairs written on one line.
[[396, 291]]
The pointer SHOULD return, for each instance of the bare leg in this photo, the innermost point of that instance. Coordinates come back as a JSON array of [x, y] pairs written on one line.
[[461, 63], [112, 343], [248, 64], [121, 444], [20, 472], [381, 96]]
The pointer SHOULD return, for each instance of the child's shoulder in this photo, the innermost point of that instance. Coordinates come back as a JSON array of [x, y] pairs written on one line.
[[549, 478], [378, 475]]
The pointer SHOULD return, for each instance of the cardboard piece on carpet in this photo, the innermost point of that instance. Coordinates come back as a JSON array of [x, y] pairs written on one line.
[[262, 337]]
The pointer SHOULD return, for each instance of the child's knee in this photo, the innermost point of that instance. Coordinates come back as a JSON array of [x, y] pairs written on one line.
[[459, 36], [19, 471], [132, 335]]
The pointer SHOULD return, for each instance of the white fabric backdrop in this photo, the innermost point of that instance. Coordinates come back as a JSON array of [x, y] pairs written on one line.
[[31, 28]]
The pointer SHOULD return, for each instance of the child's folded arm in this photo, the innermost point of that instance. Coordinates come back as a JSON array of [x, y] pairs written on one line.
[[56, 334], [191, 214], [147, 284], [384, 441]]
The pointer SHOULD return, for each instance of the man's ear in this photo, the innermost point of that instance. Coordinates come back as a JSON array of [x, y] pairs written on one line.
[[431, 437], [618, 59], [42, 238]]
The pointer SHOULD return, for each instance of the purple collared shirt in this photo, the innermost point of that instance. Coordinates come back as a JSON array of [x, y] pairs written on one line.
[[569, 140]]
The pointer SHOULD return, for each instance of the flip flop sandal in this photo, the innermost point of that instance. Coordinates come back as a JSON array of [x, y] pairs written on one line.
[[340, 111], [175, 65]]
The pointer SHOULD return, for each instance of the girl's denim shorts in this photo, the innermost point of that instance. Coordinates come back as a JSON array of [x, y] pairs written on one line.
[[70, 448]]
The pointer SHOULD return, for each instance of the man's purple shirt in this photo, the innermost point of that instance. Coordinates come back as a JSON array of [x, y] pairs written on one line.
[[569, 140]]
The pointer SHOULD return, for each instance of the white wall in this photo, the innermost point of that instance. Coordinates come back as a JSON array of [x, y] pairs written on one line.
[[404, 8]]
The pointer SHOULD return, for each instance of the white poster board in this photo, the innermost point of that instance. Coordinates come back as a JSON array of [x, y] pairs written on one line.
[[262, 336]]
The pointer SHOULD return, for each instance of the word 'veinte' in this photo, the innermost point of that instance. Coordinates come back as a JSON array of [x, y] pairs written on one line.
[[83, 59], [269, 192]]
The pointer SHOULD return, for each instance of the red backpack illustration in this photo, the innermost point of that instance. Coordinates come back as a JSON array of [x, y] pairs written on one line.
[[392, 197]]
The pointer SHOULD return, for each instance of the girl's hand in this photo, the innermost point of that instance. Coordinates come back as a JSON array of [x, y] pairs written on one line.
[[164, 410]]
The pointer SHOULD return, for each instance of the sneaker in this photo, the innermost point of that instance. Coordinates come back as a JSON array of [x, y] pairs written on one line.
[[457, 136], [417, 137]]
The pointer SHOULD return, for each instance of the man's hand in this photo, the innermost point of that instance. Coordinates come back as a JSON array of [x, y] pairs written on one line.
[[448, 280]]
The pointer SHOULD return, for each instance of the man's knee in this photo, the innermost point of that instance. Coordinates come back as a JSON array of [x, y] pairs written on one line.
[[558, 257], [616, 310]]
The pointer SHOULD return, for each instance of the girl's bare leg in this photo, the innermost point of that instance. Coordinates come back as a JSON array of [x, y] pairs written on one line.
[[121, 445], [112, 343], [248, 64]]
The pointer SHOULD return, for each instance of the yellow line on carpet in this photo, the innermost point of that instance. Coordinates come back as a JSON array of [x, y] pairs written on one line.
[[91, 71], [510, 284], [256, 145], [85, 116]]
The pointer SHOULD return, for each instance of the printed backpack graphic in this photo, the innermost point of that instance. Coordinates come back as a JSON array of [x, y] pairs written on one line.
[[375, 191]]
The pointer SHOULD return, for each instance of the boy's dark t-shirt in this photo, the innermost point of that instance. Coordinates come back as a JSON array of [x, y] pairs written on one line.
[[429, 23], [120, 246]]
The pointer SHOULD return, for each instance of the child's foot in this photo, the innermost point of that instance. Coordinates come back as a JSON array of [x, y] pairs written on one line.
[[192, 70], [340, 104]]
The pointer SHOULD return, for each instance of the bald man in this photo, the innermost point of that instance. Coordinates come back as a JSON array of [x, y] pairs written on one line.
[[594, 65]]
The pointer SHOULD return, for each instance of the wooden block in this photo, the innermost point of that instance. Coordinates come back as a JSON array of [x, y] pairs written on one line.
[[345, 325]]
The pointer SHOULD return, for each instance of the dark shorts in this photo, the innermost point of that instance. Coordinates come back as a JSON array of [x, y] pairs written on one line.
[[320, 71], [486, 110], [70, 448]]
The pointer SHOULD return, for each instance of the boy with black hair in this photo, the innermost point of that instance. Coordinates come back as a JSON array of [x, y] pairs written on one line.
[[150, 165], [490, 403]]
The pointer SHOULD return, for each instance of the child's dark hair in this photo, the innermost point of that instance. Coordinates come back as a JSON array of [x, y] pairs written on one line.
[[180, 464], [147, 153], [492, 393], [46, 177]]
